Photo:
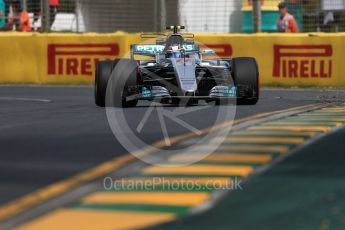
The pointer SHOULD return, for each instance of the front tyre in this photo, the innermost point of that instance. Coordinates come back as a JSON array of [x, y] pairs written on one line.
[[123, 77], [245, 74], [103, 72]]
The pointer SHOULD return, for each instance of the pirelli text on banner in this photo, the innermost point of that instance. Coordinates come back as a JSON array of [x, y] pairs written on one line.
[[302, 61], [78, 59]]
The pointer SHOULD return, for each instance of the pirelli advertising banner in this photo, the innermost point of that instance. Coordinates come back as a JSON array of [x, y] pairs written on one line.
[[290, 60], [56, 58], [284, 59]]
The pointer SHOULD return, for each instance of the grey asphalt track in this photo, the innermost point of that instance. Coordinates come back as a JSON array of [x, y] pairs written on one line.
[[49, 133]]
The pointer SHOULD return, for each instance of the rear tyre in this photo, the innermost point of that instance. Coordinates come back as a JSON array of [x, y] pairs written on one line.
[[245, 73], [103, 72]]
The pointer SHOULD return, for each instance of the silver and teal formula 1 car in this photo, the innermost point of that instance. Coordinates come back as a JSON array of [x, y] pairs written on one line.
[[174, 71]]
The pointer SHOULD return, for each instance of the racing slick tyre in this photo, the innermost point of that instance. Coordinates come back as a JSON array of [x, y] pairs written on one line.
[[124, 76], [103, 72], [245, 74]]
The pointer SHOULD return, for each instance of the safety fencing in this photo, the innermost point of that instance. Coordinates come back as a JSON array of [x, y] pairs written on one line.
[[284, 60], [221, 16]]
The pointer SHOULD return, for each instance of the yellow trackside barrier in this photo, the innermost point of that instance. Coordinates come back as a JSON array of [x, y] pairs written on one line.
[[290, 59], [284, 59], [56, 58]]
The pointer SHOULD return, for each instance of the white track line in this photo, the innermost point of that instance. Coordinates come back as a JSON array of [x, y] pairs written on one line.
[[24, 99]]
